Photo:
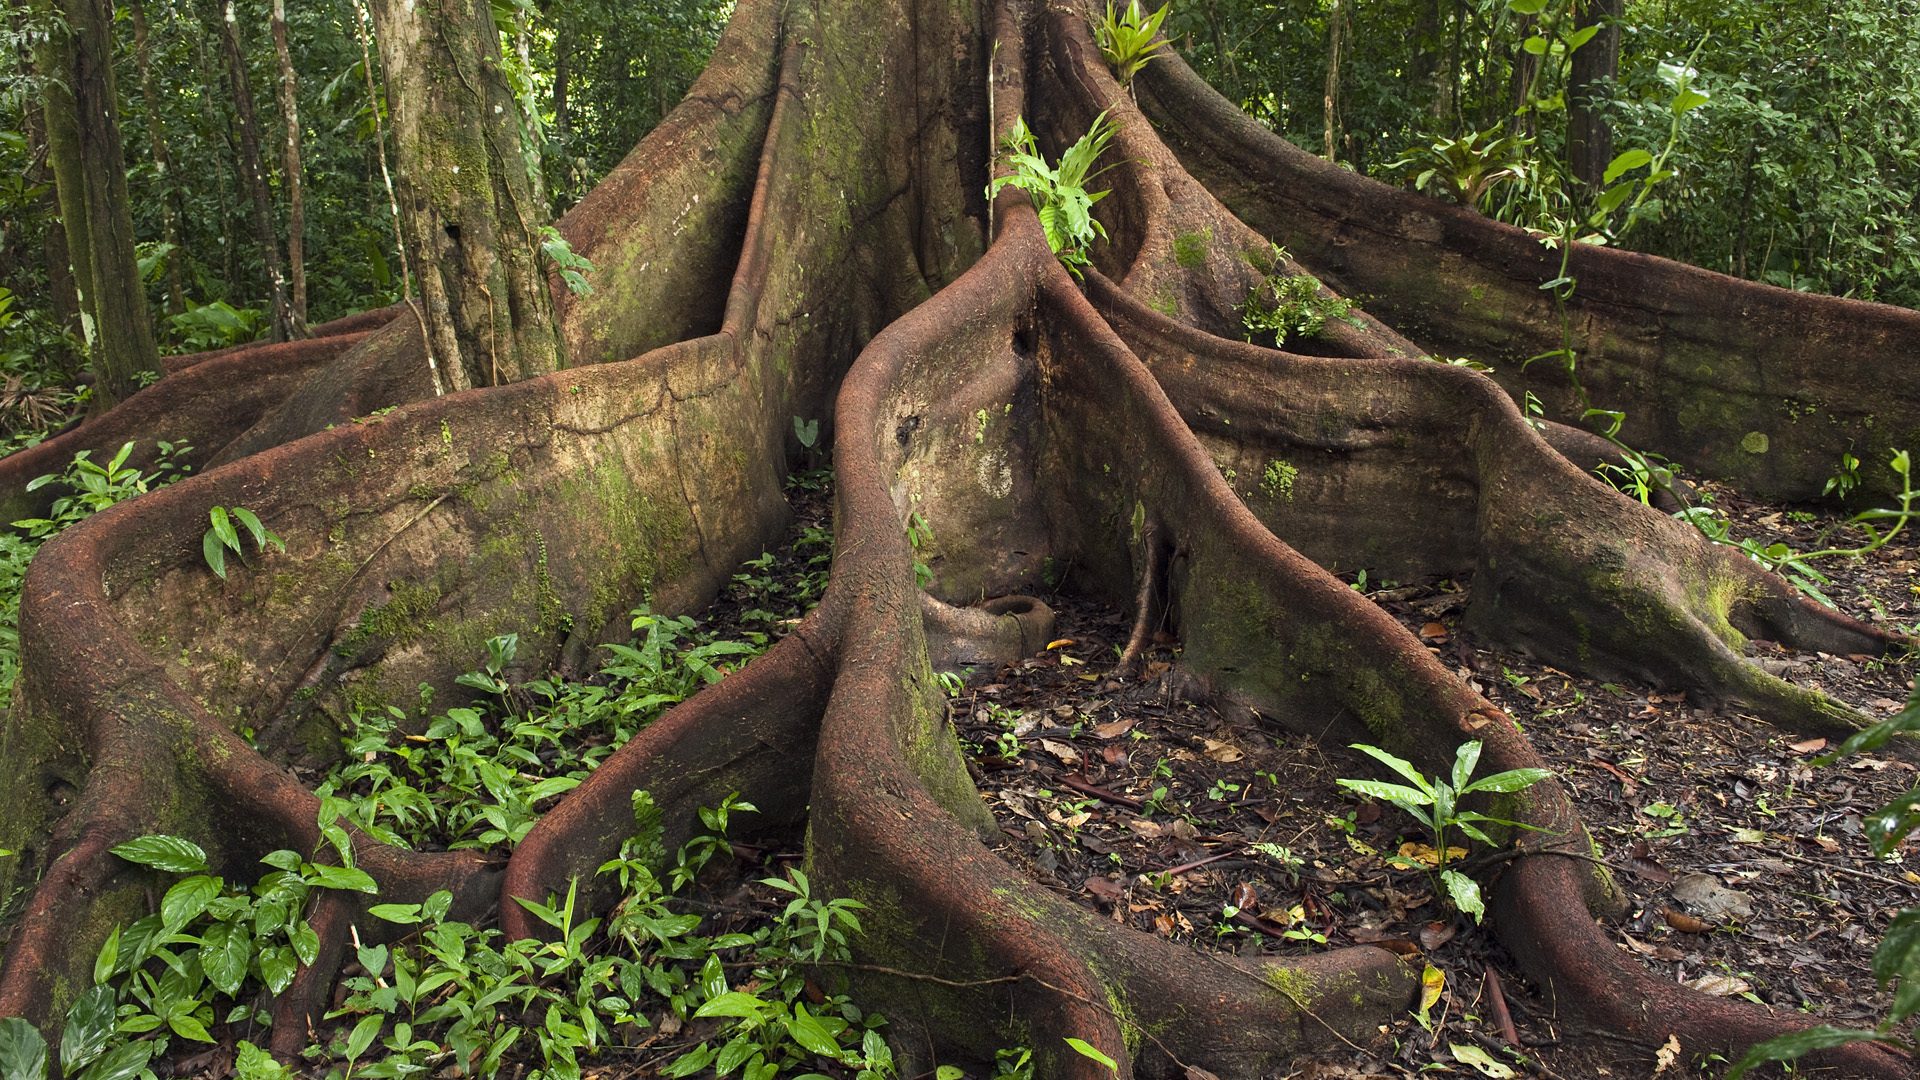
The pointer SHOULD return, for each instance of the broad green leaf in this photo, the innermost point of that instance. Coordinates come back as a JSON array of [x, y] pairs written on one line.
[[215, 553], [250, 1062], [186, 900], [251, 522], [1465, 760], [108, 961], [1797, 1044], [733, 1003], [1581, 36], [223, 527], [306, 943], [1397, 764], [344, 878], [162, 852], [404, 913], [123, 1063], [363, 1034], [1511, 780], [809, 1033], [189, 1027], [1899, 953], [226, 950], [276, 967], [1526, 7], [1087, 1050], [1469, 1054], [1398, 794], [1465, 893], [89, 1026], [1624, 162]]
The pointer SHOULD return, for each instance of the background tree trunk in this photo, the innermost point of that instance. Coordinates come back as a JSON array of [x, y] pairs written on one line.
[[289, 87], [253, 174], [83, 144], [1595, 65], [162, 160], [468, 208]]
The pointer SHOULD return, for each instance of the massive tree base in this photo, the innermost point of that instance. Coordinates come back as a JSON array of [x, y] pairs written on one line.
[[806, 238]]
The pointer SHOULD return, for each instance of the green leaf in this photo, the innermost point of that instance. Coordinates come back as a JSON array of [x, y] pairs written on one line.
[[1086, 1050], [124, 1063], [404, 914], [1899, 953], [186, 900], [1464, 892], [226, 950], [1398, 794], [344, 878], [1798, 1044], [216, 555], [1688, 100], [733, 1003], [1397, 764], [1536, 45], [1526, 7], [363, 1034], [223, 527], [809, 1033], [1465, 760], [89, 1026], [189, 1027], [108, 961], [306, 943], [1625, 161], [250, 1062], [162, 852], [1469, 1054], [1511, 780], [1581, 36]]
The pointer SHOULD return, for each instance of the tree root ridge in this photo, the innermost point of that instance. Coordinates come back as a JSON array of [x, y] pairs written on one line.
[[1017, 421], [1701, 363]]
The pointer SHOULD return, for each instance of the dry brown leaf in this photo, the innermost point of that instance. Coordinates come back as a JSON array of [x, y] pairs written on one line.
[[1106, 888], [1065, 753], [1113, 729], [1721, 985], [1223, 751], [1684, 922], [1807, 746]]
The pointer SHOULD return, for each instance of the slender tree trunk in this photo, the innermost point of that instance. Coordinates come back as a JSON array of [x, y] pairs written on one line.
[[52, 240], [253, 176], [290, 169], [83, 144], [1595, 65], [1526, 67], [162, 159], [1335, 20], [468, 207]]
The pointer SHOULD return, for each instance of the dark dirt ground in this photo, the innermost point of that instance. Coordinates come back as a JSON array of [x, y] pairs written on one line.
[[1746, 866]]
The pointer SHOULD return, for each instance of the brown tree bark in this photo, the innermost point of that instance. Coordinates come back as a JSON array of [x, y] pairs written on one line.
[[253, 175], [807, 236], [83, 144], [468, 204], [290, 170], [1594, 67], [162, 158]]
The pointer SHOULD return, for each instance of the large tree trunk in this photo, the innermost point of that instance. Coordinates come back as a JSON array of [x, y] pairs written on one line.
[[806, 236], [469, 207], [83, 143]]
